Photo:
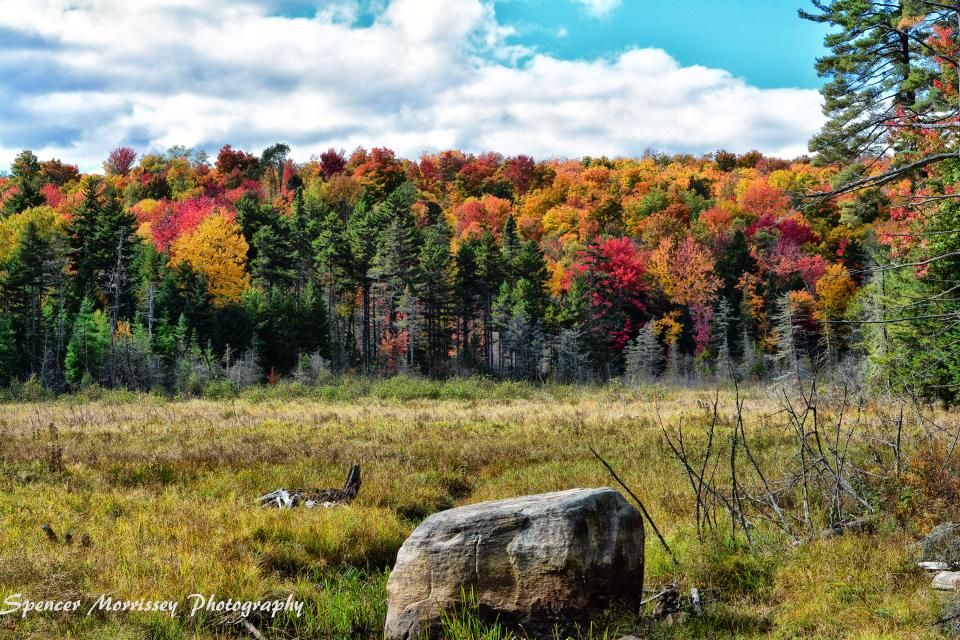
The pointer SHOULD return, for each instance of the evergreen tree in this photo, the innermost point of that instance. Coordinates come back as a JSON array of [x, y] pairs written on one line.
[[102, 247], [396, 263], [275, 263], [27, 180], [511, 241], [363, 236], [720, 330], [643, 355], [468, 292], [23, 286], [436, 295], [9, 356], [89, 342], [877, 68], [334, 262], [491, 272]]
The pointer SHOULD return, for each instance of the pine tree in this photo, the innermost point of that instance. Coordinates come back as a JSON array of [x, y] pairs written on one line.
[[511, 241], [395, 265], [490, 275], [25, 172], [720, 340], [334, 263], [877, 69], [88, 345], [363, 236], [9, 357], [644, 355], [23, 287], [469, 293], [102, 247], [275, 262], [305, 225], [435, 288]]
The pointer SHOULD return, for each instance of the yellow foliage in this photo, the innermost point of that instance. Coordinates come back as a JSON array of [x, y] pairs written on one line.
[[784, 179], [669, 327], [218, 250], [557, 274], [561, 220], [834, 290], [47, 221]]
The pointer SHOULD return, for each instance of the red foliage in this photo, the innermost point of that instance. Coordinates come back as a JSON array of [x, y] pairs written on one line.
[[181, 218], [615, 270], [59, 173], [761, 199], [792, 229], [519, 171], [52, 194], [332, 162], [450, 163], [717, 219], [233, 167], [473, 216], [120, 161], [380, 169]]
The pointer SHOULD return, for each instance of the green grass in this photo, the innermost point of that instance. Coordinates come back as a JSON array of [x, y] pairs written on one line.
[[165, 489]]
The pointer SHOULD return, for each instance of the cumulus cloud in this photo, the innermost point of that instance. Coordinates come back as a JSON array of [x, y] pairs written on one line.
[[79, 77], [599, 8]]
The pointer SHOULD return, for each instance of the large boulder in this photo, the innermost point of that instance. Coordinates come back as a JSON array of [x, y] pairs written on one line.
[[942, 545], [532, 562]]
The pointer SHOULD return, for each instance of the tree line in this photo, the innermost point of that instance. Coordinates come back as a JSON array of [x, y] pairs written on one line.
[[175, 270]]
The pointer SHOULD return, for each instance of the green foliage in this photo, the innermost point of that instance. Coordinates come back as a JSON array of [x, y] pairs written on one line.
[[88, 345]]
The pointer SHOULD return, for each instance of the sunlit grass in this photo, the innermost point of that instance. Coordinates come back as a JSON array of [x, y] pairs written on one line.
[[165, 490]]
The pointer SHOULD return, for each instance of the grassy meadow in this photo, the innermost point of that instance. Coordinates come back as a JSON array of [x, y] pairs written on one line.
[[165, 491]]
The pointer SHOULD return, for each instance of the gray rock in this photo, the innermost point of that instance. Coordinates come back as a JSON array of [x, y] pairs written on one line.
[[532, 562], [942, 545], [946, 581]]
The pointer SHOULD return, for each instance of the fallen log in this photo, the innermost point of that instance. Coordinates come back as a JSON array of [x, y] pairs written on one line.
[[286, 499]]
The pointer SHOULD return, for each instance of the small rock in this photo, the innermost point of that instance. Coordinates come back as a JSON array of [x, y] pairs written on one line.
[[933, 566], [532, 562], [946, 581]]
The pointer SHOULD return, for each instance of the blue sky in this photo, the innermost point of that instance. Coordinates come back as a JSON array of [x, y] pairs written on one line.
[[560, 78], [762, 40]]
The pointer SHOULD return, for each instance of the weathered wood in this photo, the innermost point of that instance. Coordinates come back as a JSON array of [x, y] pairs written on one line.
[[286, 499], [51, 535]]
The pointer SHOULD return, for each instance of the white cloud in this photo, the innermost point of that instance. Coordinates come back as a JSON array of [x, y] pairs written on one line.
[[599, 8], [84, 76]]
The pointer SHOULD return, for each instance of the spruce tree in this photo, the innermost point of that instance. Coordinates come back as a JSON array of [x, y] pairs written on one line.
[[23, 286], [435, 288], [363, 235], [469, 295], [88, 345], [643, 355], [26, 175]]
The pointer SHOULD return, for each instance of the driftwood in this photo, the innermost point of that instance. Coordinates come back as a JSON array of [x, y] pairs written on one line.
[[670, 600], [52, 536], [285, 499], [860, 525]]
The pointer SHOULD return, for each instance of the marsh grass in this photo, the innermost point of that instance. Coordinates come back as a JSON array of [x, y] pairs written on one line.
[[165, 490]]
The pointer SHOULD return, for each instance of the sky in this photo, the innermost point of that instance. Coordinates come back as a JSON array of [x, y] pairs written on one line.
[[549, 78]]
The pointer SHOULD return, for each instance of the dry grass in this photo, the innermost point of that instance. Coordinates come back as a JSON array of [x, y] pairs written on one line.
[[165, 491]]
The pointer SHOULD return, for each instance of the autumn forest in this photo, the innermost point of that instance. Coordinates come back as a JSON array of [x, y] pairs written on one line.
[[180, 272]]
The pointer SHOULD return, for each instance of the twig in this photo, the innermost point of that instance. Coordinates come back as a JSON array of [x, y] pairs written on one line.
[[639, 502]]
